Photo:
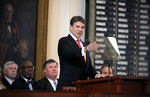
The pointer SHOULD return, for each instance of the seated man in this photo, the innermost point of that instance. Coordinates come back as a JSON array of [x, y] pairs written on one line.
[[50, 68], [10, 73], [25, 81], [105, 71]]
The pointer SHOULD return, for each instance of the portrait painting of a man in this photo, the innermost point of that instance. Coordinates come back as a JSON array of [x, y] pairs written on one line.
[[17, 30]]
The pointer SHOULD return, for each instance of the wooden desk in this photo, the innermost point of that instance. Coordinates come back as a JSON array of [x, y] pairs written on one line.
[[28, 93], [118, 84], [40, 93], [97, 94]]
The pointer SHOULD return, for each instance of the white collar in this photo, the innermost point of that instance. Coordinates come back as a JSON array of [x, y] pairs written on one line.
[[73, 37], [9, 80], [9, 21], [25, 78], [51, 81]]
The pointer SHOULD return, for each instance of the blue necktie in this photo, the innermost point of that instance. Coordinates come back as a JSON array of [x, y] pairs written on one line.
[[55, 83]]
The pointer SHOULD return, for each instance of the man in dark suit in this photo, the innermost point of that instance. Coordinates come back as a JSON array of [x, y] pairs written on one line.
[[49, 82], [25, 81], [75, 62], [10, 73]]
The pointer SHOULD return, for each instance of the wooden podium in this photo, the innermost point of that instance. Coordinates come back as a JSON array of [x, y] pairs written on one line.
[[118, 84]]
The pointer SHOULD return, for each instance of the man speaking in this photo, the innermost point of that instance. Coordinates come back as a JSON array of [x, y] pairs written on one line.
[[75, 62]]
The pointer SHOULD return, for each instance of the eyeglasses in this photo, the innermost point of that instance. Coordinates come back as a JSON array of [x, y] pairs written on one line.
[[27, 67]]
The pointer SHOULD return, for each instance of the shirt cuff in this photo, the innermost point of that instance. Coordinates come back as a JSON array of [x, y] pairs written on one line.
[[95, 75], [83, 53]]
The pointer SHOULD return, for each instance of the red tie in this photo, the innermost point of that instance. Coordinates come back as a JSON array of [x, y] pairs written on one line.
[[79, 43], [80, 47]]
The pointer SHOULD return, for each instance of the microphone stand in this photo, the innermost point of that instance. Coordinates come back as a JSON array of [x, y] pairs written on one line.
[[109, 78]]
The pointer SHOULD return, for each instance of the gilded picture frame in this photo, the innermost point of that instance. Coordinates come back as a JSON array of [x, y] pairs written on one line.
[[29, 19], [41, 40]]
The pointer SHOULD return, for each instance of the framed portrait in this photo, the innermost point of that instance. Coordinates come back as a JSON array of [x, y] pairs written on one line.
[[23, 31]]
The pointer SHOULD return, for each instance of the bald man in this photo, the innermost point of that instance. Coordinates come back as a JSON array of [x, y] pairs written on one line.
[[25, 81]]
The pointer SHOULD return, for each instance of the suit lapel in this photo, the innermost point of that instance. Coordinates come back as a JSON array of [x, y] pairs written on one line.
[[87, 57], [6, 83], [72, 42], [25, 84], [75, 45], [48, 84]]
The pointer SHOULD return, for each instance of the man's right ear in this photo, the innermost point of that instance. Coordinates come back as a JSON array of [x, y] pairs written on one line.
[[70, 27], [4, 71], [20, 70], [44, 70]]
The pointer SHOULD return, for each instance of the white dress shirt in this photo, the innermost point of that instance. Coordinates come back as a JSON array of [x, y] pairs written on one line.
[[9, 80], [30, 85], [83, 53], [52, 83]]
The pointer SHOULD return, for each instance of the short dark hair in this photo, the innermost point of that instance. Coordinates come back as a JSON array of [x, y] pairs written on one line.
[[49, 61], [76, 19], [105, 66]]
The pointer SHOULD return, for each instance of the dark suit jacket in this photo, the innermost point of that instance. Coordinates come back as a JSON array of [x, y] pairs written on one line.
[[72, 65], [21, 84], [6, 83], [45, 84]]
